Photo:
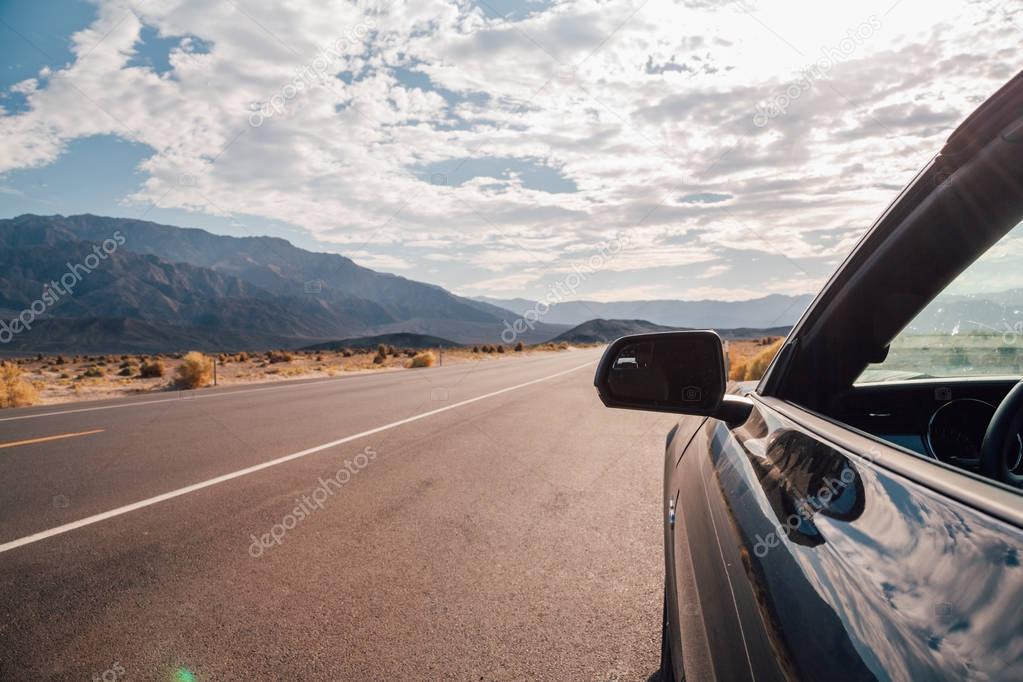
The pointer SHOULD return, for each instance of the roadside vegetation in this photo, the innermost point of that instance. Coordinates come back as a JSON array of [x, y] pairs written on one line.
[[427, 359], [748, 360], [150, 369], [195, 371], [15, 391]]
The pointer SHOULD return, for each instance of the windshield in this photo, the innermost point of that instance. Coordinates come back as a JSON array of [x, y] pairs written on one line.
[[973, 328]]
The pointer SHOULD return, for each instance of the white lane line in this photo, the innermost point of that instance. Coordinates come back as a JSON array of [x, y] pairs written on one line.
[[225, 394], [96, 518]]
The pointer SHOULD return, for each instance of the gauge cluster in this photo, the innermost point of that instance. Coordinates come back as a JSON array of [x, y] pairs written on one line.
[[955, 432]]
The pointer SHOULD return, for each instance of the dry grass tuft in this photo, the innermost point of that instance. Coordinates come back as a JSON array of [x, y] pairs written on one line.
[[15, 391], [151, 369], [195, 371], [425, 359]]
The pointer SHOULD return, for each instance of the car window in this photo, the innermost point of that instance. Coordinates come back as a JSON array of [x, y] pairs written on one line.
[[973, 328]]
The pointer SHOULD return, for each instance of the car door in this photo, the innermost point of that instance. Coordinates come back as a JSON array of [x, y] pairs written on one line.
[[812, 562]]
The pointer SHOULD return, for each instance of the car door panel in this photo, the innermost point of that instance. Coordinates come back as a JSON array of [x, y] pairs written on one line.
[[681, 598], [823, 565]]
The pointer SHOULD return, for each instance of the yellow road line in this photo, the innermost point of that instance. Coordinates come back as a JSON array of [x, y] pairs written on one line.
[[44, 439]]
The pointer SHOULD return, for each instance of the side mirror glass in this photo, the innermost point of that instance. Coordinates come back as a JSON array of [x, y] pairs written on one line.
[[677, 372]]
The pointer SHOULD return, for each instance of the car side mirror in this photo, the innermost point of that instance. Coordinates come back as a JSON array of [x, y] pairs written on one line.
[[677, 372]]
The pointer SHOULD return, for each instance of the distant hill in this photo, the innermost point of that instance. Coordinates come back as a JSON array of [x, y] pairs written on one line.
[[399, 340], [605, 331], [768, 311], [192, 285]]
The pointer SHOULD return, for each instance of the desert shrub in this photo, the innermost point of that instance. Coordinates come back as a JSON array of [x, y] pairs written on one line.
[[275, 356], [390, 350], [382, 350], [243, 357], [39, 357], [94, 372], [347, 352], [126, 371], [151, 369], [519, 347], [319, 358], [500, 348], [378, 359], [752, 369], [424, 359], [59, 360], [195, 371], [14, 390], [563, 345]]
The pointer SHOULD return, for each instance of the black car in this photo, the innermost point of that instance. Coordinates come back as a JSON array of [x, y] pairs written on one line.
[[857, 514]]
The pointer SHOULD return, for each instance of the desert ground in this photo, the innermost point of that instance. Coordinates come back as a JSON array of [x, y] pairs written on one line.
[[66, 378]]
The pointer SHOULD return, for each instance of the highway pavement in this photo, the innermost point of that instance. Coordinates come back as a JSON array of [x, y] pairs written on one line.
[[480, 521]]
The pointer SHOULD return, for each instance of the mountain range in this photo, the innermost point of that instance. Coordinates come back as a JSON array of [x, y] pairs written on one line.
[[144, 287], [159, 287], [775, 310]]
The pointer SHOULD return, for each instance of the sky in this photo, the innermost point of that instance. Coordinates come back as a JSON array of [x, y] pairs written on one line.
[[688, 149]]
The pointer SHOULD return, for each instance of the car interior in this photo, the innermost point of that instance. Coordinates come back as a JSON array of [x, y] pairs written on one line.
[[862, 359]]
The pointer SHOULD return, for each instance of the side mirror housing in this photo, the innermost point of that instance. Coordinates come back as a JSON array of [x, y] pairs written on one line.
[[676, 372]]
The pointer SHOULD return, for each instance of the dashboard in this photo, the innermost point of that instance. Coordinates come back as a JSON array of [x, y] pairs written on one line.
[[940, 419]]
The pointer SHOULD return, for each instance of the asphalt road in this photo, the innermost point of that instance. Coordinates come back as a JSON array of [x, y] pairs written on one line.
[[485, 521]]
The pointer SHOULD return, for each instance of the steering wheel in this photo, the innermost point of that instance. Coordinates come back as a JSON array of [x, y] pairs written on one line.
[[1001, 457]]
